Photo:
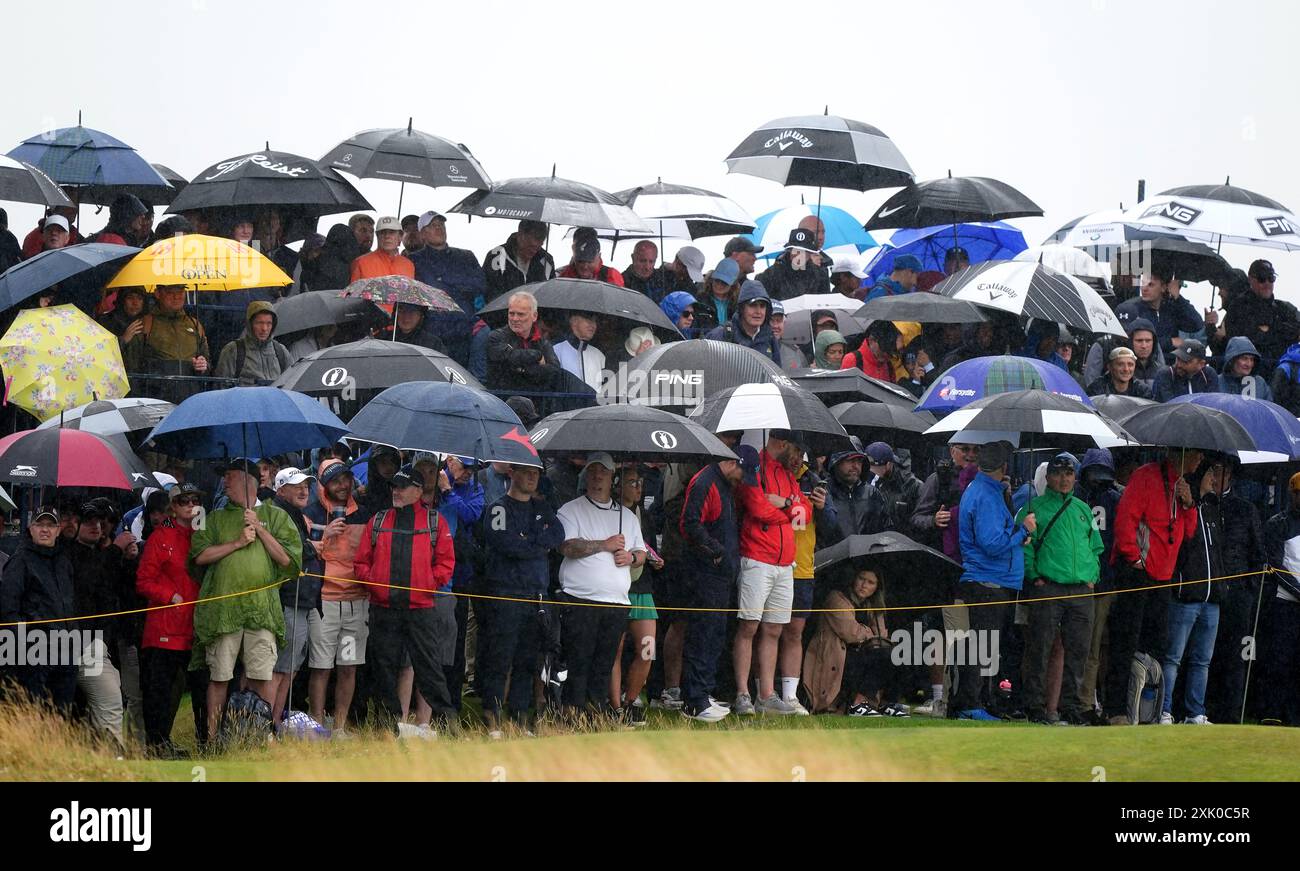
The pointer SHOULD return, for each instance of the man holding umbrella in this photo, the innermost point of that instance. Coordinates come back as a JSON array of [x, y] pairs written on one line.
[[1269, 323]]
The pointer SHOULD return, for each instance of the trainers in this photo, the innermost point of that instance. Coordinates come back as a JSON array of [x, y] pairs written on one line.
[[496, 734], [1198, 720], [862, 709], [409, 731], [634, 715], [1166, 718], [1038, 717], [711, 714], [720, 703], [975, 714], [743, 705], [894, 710], [774, 704], [799, 709], [669, 700]]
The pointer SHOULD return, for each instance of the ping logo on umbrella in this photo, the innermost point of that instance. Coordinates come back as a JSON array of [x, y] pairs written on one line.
[[23, 471], [786, 138], [664, 440], [1276, 226], [334, 377], [1174, 211]]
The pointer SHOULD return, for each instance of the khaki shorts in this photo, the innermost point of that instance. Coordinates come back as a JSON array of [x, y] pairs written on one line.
[[259, 654], [766, 592], [339, 637]]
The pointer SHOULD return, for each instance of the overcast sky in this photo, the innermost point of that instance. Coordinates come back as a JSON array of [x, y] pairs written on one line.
[[1070, 101]]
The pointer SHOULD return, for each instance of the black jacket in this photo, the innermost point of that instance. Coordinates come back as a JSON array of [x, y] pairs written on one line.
[[306, 588], [501, 268], [1248, 313], [518, 538], [939, 490], [1201, 557], [785, 282], [332, 269], [1243, 541], [1280, 529], [99, 577], [512, 366], [860, 510], [37, 585], [710, 533], [901, 491]]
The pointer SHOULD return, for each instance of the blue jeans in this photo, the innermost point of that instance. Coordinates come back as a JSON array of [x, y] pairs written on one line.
[[1192, 628]]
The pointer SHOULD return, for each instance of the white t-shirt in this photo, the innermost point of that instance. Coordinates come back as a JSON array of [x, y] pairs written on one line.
[[596, 577]]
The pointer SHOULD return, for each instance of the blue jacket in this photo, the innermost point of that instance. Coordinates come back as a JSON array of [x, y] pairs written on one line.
[[1252, 385], [1166, 385], [454, 270], [517, 538], [884, 287], [1173, 316], [991, 540], [763, 341], [674, 304]]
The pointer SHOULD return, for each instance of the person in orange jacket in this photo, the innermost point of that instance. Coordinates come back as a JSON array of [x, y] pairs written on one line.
[[385, 260]]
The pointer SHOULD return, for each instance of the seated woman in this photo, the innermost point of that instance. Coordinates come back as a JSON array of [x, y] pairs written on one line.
[[848, 664]]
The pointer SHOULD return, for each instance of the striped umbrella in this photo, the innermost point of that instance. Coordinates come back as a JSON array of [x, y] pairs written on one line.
[[1032, 290], [768, 407], [821, 151], [70, 458], [109, 417], [1063, 421]]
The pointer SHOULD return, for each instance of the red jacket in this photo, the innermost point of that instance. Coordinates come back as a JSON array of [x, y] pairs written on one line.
[[766, 533], [607, 275], [414, 562], [1147, 500], [164, 572], [870, 365], [34, 242]]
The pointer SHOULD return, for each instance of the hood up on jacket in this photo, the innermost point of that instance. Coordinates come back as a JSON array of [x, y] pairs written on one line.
[[824, 340], [1239, 346]]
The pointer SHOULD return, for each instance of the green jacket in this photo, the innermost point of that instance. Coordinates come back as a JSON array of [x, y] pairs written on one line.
[[168, 343], [1071, 552], [245, 569]]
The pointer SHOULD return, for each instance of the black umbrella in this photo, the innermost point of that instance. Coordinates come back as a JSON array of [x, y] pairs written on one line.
[[821, 151], [924, 308], [952, 201], [1062, 421], [154, 195], [1190, 261], [559, 296], [914, 575], [320, 308], [679, 375], [638, 431], [370, 364], [833, 387], [554, 201], [23, 183], [773, 406], [1225, 193], [1118, 406], [1185, 425], [90, 264], [877, 416], [446, 419]]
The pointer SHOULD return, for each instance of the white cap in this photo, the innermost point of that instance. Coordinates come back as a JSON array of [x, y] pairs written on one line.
[[290, 475], [57, 221], [428, 218], [637, 336], [693, 259], [600, 458], [848, 263], [388, 222]]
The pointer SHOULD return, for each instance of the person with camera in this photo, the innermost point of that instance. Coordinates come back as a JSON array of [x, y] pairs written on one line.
[[812, 530]]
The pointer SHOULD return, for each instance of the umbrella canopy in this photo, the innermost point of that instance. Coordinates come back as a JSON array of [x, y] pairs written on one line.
[[1220, 213], [406, 155], [1063, 420], [24, 183], [798, 315], [395, 289], [844, 233], [321, 308], [850, 385], [683, 212], [82, 157], [989, 240], [446, 419], [6, 501], [923, 308], [875, 416], [370, 364], [1187, 260], [559, 296], [1275, 430], [200, 262], [678, 375], [554, 201], [57, 358], [1064, 258], [70, 458], [246, 422], [638, 431], [1033, 290], [979, 377], [1104, 229], [1185, 425], [772, 406], [109, 417], [897, 557], [90, 263], [1118, 407], [952, 201], [821, 151]]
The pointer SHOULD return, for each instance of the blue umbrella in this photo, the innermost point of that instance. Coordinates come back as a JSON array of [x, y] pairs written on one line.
[[992, 240], [92, 264], [772, 230], [83, 157], [985, 376], [246, 422], [1275, 430], [445, 418]]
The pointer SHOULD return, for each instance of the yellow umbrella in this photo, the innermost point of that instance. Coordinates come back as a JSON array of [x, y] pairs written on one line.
[[200, 263], [55, 359]]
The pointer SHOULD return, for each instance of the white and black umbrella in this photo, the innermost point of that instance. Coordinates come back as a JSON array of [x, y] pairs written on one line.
[[1220, 213], [370, 364], [952, 201], [821, 151], [679, 211], [799, 311], [109, 417], [769, 407], [1106, 229], [1070, 260], [679, 375], [23, 183], [560, 296], [554, 201], [1032, 290], [921, 308], [1118, 406], [635, 431], [1060, 420]]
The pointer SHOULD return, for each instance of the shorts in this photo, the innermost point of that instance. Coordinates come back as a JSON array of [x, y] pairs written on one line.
[[766, 591], [259, 654], [298, 628], [643, 607], [803, 598], [339, 637]]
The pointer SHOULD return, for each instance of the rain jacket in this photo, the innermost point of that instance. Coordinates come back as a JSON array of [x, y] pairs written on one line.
[[1167, 384], [1285, 385], [403, 555], [503, 272], [338, 551], [784, 282], [710, 535], [863, 359], [168, 342], [423, 335], [1103, 386], [1149, 516], [164, 571], [37, 585], [263, 361], [762, 341], [1037, 332], [332, 269], [991, 541], [1282, 543], [661, 284], [1252, 386], [377, 264], [824, 340], [901, 491], [1201, 557], [606, 273], [674, 304], [884, 286], [1070, 551], [766, 532], [518, 538], [454, 270], [515, 363], [1173, 316], [1103, 500], [1242, 540], [1249, 313], [860, 510]]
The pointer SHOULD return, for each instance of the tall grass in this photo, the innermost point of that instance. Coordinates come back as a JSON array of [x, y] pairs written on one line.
[[37, 743]]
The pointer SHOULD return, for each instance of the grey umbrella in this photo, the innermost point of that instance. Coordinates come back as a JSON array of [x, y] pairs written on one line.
[[821, 151], [23, 183], [554, 200]]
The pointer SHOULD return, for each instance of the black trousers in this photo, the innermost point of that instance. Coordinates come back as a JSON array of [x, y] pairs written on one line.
[[1227, 685], [706, 637], [1138, 621], [163, 675], [1280, 685], [413, 631], [55, 684], [985, 618], [510, 644], [589, 642], [1073, 618], [867, 670]]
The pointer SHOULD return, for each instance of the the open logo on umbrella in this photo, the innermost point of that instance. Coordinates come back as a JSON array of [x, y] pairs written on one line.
[[663, 439], [334, 377]]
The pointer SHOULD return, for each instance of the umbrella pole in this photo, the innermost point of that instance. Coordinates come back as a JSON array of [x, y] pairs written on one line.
[[396, 305], [819, 202], [1254, 634], [401, 192]]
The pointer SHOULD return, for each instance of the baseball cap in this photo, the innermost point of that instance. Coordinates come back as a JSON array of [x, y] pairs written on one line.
[[428, 218], [778, 308], [636, 337], [1121, 353], [908, 261], [582, 234], [1062, 462], [1260, 270], [803, 240], [786, 435], [1190, 350], [60, 221], [956, 253], [737, 244], [388, 222], [586, 249], [523, 407], [51, 512], [95, 508], [243, 464], [185, 489], [848, 263], [727, 271], [408, 476], [994, 456], [291, 475], [749, 462], [467, 462], [693, 259], [332, 471], [879, 453], [599, 458]]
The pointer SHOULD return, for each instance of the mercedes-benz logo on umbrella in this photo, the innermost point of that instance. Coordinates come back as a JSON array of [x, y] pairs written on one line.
[[334, 377], [663, 439]]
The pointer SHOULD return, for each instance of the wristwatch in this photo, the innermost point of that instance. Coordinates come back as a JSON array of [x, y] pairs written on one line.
[[789, 500]]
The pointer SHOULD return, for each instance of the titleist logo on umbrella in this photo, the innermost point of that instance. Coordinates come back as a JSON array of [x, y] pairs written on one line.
[[261, 160], [782, 137]]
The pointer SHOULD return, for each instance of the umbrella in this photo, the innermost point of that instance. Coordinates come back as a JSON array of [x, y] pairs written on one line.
[[897, 556], [109, 417], [798, 315], [174, 178], [70, 458], [979, 377], [873, 416], [321, 308], [952, 201], [200, 262], [1185, 425], [1275, 430], [6, 501], [989, 240], [772, 406], [1068, 421], [850, 385], [683, 212], [1220, 213], [1118, 407], [85, 158], [404, 154], [1105, 229], [560, 296], [246, 422], [1033, 290], [370, 364], [1071, 261], [554, 201], [1190, 261], [446, 419], [844, 232], [922, 308], [57, 358], [398, 289], [91, 263], [648, 434], [23, 183], [680, 374], [821, 151]]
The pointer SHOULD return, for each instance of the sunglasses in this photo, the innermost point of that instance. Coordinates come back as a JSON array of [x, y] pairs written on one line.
[[687, 314], [186, 500]]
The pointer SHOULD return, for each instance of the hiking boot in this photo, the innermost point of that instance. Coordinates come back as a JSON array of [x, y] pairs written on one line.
[[743, 705], [634, 716], [711, 714], [774, 704]]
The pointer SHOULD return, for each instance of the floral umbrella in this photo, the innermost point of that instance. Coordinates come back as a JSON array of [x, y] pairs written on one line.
[[57, 358], [393, 289]]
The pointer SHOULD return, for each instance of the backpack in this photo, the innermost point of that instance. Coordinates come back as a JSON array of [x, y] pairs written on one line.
[[246, 718], [431, 518], [1146, 690]]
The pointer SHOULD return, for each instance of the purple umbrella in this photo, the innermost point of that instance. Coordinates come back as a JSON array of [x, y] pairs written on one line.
[[985, 376]]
